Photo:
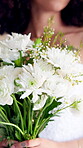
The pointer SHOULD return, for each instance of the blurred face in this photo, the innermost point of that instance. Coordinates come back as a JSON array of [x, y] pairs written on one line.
[[51, 5]]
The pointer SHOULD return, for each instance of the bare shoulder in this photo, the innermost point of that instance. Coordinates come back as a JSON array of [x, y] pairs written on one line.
[[74, 36], [76, 31], [79, 32], [4, 36]]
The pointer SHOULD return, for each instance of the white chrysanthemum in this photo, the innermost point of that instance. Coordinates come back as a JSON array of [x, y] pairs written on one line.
[[67, 61], [18, 41], [10, 47], [44, 66], [6, 54], [32, 80], [7, 76], [6, 90]]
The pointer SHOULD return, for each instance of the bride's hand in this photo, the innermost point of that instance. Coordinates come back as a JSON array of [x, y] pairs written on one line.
[[6, 142], [36, 143]]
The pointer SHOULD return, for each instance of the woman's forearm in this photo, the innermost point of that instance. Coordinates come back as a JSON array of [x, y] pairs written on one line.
[[71, 144]]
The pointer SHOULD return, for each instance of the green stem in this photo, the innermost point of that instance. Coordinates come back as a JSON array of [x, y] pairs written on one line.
[[29, 115], [25, 112], [32, 121], [3, 116], [21, 60], [50, 100], [63, 109], [22, 125], [36, 131], [41, 125], [36, 125], [11, 124]]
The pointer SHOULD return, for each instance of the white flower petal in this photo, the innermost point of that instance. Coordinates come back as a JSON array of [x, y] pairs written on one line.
[[26, 94]]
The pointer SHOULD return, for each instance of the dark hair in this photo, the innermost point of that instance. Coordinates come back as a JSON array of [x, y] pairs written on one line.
[[73, 14], [15, 15]]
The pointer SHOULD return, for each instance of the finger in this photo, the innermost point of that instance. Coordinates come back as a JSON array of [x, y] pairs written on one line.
[[5, 142], [16, 146], [12, 141], [32, 143], [27, 143]]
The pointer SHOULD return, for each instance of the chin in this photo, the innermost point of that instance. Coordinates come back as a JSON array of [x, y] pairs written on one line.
[[59, 5], [53, 5]]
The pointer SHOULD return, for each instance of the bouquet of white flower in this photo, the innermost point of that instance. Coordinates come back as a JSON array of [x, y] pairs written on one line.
[[37, 81]]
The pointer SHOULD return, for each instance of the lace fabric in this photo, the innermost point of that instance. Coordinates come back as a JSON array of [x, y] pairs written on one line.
[[68, 126]]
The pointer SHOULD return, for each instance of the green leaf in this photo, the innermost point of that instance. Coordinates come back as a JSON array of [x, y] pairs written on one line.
[[70, 48], [17, 84], [37, 42], [16, 119], [53, 105], [18, 135], [18, 62], [3, 133]]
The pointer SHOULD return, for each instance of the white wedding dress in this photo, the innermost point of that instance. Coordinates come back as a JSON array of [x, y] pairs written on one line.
[[68, 126]]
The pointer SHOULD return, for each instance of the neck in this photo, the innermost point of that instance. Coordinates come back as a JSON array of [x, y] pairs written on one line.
[[39, 20]]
